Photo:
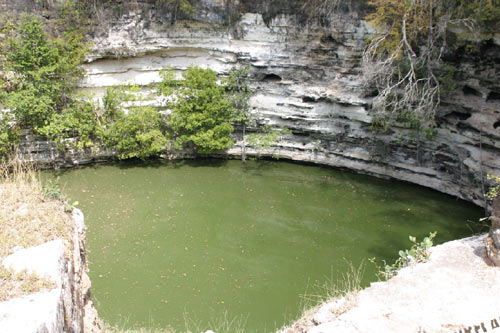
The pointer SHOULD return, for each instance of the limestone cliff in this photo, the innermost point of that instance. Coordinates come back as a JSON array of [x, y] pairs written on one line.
[[308, 79]]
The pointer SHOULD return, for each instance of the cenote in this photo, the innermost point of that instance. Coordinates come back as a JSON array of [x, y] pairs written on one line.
[[189, 244]]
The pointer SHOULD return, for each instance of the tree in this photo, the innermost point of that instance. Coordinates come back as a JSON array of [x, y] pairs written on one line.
[[137, 133], [201, 110], [37, 76], [240, 92], [405, 60], [179, 7], [134, 133], [41, 72]]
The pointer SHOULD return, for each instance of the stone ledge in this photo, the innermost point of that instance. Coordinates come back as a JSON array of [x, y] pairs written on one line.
[[45, 260], [39, 312], [68, 307], [456, 290]]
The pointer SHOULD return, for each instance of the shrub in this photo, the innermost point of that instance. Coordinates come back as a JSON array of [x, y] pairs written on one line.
[[405, 60], [79, 121], [201, 110], [494, 189], [136, 134], [9, 135]]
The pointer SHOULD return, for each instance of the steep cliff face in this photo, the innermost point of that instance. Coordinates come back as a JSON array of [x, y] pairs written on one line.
[[310, 80]]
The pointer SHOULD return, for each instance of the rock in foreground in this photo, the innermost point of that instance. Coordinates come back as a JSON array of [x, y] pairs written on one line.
[[457, 290]]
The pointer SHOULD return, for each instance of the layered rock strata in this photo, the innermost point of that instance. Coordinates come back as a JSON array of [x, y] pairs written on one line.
[[309, 80]]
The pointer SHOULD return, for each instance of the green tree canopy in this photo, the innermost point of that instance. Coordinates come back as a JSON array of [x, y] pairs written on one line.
[[39, 73], [201, 110]]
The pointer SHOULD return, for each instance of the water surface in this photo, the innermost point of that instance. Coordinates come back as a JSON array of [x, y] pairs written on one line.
[[194, 242]]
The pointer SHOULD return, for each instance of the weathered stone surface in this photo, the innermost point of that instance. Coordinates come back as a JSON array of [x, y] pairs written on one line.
[[46, 260], [68, 307], [35, 313], [455, 290], [41, 312]]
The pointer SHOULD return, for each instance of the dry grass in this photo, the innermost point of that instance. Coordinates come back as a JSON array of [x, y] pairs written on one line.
[[343, 292], [107, 328], [27, 219], [16, 284], [138, 330], [222, 324]]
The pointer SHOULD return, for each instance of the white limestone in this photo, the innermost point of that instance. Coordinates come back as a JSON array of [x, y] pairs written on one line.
[[64, 308], [46, 260]]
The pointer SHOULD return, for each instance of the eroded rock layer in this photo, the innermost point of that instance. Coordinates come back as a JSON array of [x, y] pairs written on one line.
[[311, 81]]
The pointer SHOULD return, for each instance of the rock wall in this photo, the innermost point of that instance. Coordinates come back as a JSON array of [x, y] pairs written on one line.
[[68, 307], [310, 80]]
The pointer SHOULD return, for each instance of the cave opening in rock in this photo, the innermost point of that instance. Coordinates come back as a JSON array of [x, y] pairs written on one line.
[[459, 115], [308, 99], [271, 78], [493, 96], [469, 91]]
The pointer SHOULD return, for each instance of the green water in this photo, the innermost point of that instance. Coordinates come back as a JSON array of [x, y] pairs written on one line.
[[195, 242]]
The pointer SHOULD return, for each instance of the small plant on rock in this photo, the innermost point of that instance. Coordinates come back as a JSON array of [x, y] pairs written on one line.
[[493, 192], [419, 252]]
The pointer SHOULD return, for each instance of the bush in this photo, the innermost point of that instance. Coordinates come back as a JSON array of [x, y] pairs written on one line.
[[419, 252], [201, 110], [9, 135], [79, 121], [136, 134]]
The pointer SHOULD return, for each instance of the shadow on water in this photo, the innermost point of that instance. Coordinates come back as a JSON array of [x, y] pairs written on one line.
[[152, 163]]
